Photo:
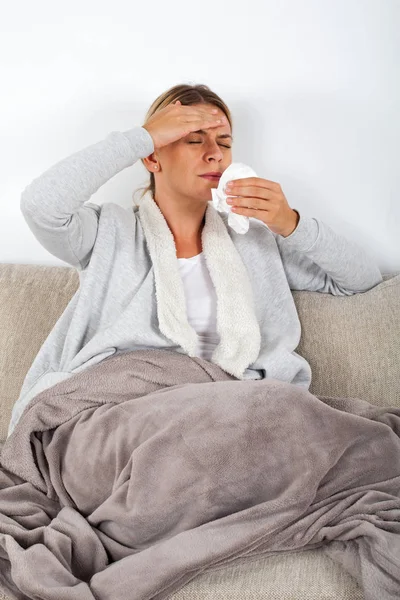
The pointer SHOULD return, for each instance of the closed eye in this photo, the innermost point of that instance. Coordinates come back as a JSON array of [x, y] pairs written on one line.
[[223, 145]]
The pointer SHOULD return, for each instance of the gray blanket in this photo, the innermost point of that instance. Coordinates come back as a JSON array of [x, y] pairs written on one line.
[[131, 478]]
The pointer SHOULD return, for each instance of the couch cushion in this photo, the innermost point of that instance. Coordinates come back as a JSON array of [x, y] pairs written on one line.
[[32, 298], [351, 342], [304, 575]]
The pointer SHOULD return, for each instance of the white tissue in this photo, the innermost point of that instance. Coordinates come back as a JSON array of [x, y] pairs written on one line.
[[237, 170]]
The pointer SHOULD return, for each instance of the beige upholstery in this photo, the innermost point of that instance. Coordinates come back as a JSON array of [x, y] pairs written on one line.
[[351, 342]]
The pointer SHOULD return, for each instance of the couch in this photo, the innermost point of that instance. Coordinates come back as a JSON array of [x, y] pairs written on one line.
[[352, 344]]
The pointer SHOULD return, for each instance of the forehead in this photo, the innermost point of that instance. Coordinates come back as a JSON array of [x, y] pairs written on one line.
[[223, 132]]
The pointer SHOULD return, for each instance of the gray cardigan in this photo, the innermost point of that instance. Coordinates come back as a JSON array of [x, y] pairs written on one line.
[[131, 295]]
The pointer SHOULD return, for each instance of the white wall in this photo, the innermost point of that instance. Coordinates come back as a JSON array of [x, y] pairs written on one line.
[[313, 86]]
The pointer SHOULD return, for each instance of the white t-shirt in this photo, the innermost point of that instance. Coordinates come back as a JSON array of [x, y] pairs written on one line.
[[201, 302]]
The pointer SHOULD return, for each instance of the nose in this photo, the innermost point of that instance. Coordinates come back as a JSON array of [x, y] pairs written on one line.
[[214, 151]]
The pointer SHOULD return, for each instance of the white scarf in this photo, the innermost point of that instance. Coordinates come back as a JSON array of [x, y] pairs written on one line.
[[237, 325]]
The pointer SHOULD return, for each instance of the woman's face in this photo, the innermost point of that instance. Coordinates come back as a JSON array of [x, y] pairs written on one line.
[[184, 161]]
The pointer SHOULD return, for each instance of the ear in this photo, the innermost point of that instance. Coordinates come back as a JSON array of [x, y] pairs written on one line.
[[150, 162]]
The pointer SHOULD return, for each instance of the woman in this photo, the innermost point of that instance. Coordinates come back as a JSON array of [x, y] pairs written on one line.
[[159, 462], [170, 273]]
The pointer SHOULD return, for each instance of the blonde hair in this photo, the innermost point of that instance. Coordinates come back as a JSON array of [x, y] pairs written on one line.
[[187, 94]]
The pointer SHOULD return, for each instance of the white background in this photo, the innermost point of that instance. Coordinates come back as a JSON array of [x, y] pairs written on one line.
[[313, 87]]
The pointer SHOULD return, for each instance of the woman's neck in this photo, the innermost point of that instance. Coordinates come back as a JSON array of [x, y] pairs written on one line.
[[188, 249]]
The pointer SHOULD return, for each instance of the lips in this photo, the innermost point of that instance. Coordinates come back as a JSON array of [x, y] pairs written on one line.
[[212, 177]]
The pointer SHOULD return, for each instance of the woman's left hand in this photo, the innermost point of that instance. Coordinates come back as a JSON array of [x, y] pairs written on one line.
[[264, 200]]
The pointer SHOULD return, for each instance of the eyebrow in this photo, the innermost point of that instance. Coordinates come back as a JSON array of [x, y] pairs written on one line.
[[223, 135]]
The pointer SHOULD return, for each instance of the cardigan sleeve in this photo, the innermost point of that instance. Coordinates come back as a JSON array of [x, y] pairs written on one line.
[[317, 259], [53, 204]]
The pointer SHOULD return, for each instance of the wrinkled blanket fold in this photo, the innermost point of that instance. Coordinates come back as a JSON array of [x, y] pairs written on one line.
[[131, 478]]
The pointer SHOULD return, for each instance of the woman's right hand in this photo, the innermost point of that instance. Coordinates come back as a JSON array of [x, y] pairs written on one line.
[[176, 120]]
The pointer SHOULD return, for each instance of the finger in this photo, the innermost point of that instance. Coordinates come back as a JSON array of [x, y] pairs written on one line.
[[256, 182], [246, 202], [204, 114], [247, 212], [200, 113], [211, 118], [253, 192], [196, 123]]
